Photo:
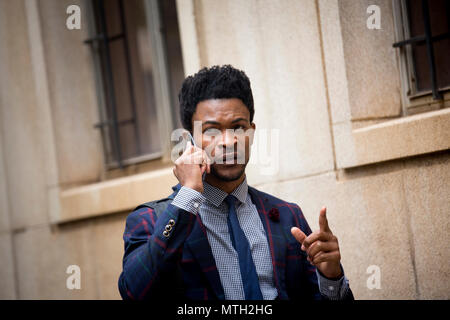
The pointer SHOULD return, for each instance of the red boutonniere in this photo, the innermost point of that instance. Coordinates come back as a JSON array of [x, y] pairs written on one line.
[[274, 215]]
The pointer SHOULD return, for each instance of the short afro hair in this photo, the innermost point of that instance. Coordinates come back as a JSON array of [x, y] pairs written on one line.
[[216, 82]]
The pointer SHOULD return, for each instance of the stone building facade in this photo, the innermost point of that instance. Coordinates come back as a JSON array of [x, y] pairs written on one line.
[[350, 137]]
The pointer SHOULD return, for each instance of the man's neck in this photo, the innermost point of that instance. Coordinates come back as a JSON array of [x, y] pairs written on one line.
[[226, 186]]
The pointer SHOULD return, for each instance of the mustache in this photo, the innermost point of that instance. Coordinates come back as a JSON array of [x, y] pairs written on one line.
[[233, 154], [227, 154], [230, 157]]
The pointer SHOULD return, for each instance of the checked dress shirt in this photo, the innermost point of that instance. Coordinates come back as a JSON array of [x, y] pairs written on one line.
[[213, 211]]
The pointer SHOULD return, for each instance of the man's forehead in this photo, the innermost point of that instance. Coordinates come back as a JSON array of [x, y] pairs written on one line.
[[221, 108]]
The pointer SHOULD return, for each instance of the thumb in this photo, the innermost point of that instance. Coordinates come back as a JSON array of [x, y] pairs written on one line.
[[298, 234]]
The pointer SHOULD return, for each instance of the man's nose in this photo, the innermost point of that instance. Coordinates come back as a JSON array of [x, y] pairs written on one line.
[[229, 139]]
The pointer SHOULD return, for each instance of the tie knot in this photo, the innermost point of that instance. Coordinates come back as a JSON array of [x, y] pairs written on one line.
[[230, 200]]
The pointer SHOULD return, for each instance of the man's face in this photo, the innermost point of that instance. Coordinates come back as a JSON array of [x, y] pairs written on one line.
[[219, 119]]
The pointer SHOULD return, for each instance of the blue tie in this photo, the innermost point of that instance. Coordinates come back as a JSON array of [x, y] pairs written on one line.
[[241, 245]]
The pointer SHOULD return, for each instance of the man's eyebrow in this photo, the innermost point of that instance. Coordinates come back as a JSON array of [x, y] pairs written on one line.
[[239, 119], [218, 123], [211, 122]]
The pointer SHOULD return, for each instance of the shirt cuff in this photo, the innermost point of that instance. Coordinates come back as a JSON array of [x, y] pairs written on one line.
[[333, 289], [189, 200]]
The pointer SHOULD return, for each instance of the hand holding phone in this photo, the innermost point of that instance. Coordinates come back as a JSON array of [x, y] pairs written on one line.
[[191, 166], [195, 145]]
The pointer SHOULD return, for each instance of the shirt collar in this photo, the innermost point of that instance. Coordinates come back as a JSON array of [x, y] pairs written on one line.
[[216, 196]]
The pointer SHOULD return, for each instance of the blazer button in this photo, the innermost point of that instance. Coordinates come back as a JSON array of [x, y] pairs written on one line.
[[166, 233], [168, 228], [171, 222]]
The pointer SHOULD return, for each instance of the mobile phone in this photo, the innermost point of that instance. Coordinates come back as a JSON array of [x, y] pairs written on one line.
[[195, 145], [192, 139]]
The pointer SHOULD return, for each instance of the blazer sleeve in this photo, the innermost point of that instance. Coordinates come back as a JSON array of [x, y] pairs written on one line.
[[309, 283], [151, 254]]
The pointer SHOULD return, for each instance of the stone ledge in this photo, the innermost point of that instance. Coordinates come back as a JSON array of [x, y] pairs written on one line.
[[394, 139], [111, 196]]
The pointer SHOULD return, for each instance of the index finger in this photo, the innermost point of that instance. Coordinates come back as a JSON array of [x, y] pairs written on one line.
[[323, 221], [188, 149]]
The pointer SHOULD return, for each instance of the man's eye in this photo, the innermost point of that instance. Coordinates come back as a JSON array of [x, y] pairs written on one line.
[[211, 132], [240, 128]]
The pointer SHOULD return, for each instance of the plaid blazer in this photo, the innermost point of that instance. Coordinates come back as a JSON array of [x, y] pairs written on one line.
[[182, 265]]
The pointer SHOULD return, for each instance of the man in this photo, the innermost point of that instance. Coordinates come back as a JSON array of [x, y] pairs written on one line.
[[216, 237]]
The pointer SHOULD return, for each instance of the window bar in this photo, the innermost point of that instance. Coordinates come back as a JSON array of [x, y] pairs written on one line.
[[110, 85], [428, 39], [109, 123], [130, 76], [412, 40], [421, 39], [101, 36], [430, 52], [447, 13]]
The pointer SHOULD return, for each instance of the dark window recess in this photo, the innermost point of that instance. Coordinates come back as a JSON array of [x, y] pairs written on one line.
[[429, 26], [122, 46], [172, 42]]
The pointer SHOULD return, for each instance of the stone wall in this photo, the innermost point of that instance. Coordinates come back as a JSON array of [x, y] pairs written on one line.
[[311, 78]]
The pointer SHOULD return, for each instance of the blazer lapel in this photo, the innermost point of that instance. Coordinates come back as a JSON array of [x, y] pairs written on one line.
[[276, 239], [201, 250]]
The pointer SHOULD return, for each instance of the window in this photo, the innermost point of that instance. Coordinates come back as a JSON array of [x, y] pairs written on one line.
[[136, 83], [423, 32]]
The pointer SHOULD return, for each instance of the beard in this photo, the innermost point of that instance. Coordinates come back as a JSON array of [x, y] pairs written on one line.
[[227, 177]]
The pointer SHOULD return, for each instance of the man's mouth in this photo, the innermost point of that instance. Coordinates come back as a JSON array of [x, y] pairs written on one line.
[[232, 158]]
